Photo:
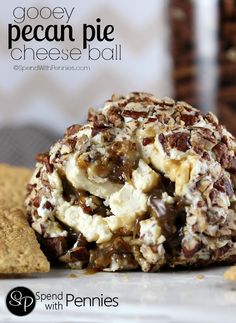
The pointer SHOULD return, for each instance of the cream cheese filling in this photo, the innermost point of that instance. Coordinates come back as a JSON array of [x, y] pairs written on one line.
[[126, 203], [79, 180]]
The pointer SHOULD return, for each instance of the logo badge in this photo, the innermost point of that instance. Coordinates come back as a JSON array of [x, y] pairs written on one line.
[[20, 301]]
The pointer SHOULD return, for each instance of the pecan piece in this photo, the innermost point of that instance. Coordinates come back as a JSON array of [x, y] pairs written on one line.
[[91, 115], [190, 252], [164, 142], [99, 124], [161, 138], [164, 212], [116, 97], [188, 119], [41, 156], [44, 158], [100, 258], [135, 110], [47, 205], [36, 201], [231, 166], [219, 253], [148, 141], [71, 143], [54, 247], [134, 114], [223, 184], [79, 253], [114, 116], [206, 134], [70, 131], [30, 187], [212, 119], [206, 156], [213, 195], [179, 140], [96, 130], [221, 153], [153, 119]]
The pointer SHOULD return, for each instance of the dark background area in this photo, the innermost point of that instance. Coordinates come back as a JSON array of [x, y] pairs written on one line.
[[185, 61]]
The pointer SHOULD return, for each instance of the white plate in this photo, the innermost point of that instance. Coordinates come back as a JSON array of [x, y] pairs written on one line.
[[183, 296]]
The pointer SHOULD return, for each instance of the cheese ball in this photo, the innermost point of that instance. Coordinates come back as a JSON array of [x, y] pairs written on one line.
[[147, 183]]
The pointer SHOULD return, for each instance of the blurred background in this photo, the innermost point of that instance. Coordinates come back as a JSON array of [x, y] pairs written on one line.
[[185, 49]]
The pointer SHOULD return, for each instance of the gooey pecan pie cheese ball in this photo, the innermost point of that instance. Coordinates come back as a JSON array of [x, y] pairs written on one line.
[[146, 183]]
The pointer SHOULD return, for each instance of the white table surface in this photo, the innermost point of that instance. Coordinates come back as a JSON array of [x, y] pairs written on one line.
[[175, 297]]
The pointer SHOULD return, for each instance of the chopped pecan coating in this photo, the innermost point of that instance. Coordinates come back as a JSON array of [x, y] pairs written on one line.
[[95, 200]]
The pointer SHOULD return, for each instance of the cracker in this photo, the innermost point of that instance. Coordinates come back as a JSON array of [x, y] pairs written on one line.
[[19, 249], [230, 273], [13, 181]]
